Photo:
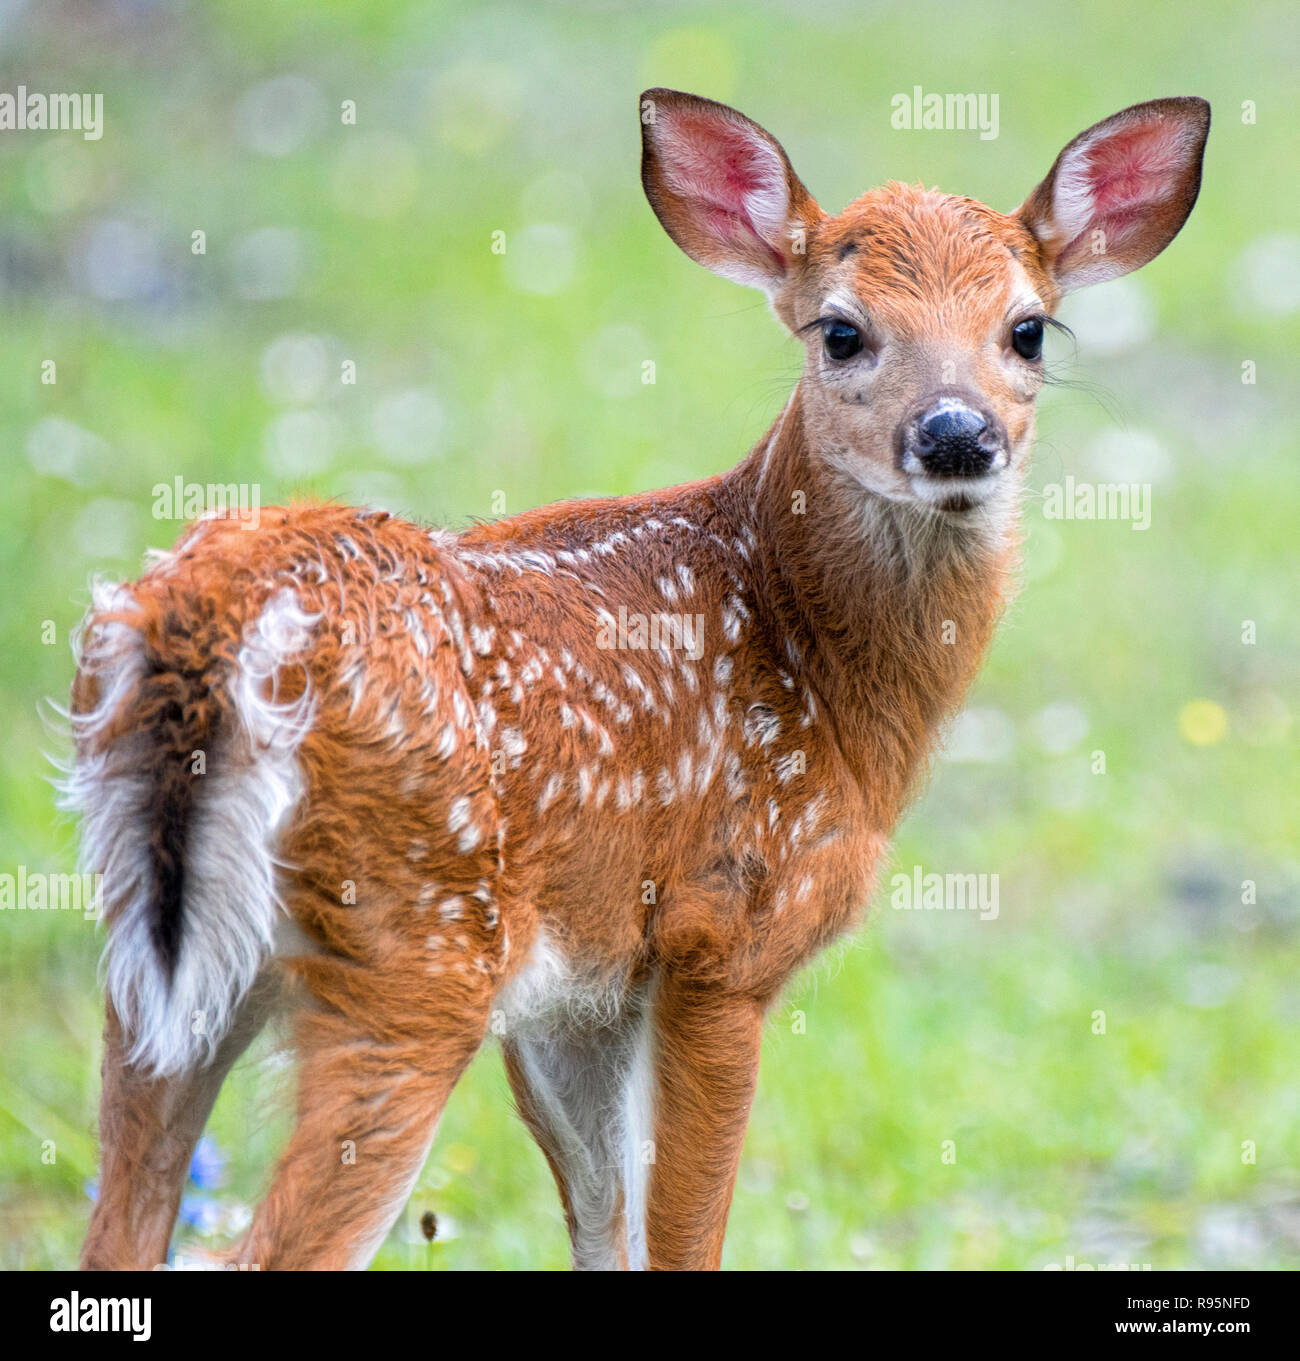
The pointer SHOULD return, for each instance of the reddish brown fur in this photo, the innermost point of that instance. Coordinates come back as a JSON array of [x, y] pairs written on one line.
[[849, 648]]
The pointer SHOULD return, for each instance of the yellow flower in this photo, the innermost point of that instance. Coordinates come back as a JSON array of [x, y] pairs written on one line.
[[1202, 722]]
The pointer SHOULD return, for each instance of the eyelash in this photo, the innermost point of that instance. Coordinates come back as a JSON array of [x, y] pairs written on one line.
[[1049, 323], [826, 321]]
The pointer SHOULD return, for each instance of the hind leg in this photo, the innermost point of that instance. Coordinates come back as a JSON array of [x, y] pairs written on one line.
[[148, 1128], [585, 1095], [398, 858], [374, 1076]]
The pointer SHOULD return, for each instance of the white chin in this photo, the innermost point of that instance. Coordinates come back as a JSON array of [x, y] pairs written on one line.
[[955, 493]]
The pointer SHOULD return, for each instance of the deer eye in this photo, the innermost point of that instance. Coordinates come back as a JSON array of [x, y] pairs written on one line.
[[842, 341], [1027, 338]]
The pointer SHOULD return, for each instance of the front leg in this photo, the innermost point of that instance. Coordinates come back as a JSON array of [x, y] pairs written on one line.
[[706, 1067]]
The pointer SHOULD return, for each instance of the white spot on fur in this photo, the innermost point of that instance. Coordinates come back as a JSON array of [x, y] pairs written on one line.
[[458, 813], [452, 909], [761, 725]]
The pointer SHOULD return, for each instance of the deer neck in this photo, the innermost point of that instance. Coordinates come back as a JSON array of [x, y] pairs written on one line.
[[883, 609]]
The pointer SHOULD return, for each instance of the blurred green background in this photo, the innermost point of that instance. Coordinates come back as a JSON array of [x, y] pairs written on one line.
[[520, 373]]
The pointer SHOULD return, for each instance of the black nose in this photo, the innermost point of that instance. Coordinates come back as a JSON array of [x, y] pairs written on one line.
[[953, 440]]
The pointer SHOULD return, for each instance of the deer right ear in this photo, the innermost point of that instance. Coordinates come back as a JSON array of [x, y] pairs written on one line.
[[723, 189], [1119, 192]]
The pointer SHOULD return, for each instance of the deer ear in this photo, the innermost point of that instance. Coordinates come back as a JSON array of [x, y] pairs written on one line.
[[723, 189], [1119, 192]]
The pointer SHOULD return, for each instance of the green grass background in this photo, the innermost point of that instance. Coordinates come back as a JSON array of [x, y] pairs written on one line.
[[521, 373]]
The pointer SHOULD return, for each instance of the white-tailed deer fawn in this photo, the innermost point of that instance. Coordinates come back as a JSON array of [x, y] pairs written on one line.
[[597, 778]]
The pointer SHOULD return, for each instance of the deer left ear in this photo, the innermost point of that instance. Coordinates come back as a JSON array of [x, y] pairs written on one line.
[[724, 189], [1119, 192]]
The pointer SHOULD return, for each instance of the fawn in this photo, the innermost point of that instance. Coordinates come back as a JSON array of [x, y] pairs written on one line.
[[597, 778]]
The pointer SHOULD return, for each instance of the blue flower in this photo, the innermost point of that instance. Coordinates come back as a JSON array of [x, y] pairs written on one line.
[[202, 1212], [207, 1166]]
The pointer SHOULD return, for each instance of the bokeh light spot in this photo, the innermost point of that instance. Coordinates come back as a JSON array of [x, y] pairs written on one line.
[[1202, 722]]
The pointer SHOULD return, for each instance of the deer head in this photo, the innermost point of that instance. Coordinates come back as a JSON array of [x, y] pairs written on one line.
[[922, 313]]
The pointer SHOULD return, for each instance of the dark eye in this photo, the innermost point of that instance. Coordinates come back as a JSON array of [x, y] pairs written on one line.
[[842, 340], [1027, 338]]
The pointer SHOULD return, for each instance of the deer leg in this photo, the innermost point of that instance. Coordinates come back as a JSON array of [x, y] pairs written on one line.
[[706, 1067], [148, 1127], [380, 1050], [585, 1095]]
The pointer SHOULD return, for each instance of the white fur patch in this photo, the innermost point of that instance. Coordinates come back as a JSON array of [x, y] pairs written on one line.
[[585, 1050], [229, 912], [547, 994]]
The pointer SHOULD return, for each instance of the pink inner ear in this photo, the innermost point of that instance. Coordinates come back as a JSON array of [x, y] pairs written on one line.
[[730, 170], [1134, 167]]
